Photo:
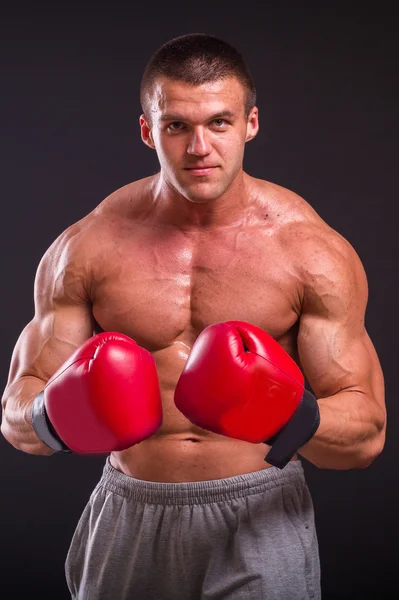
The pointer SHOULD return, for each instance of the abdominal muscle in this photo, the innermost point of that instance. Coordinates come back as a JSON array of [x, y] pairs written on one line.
[[182, 452], [182, 458]]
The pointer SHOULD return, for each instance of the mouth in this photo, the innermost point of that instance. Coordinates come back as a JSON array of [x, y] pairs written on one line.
[[200, 171]]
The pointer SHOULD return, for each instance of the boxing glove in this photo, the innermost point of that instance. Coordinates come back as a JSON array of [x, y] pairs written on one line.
[[104, 397], [239, 382]]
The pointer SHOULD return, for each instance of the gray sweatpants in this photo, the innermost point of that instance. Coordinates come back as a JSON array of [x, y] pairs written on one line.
[[248, 537]]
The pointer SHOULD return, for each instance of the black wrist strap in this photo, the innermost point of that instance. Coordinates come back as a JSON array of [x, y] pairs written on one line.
[[299, 429], [42, 426]]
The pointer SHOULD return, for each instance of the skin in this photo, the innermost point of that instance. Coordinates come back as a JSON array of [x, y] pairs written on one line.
[[163, 257]]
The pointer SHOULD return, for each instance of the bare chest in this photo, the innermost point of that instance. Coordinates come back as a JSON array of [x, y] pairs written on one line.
[[159, 288]]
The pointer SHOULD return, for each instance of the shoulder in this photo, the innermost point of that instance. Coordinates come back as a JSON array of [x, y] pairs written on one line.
[[323, 261], [127, 200], [64, 268], [328, 267], [322, 257], [314, 243], [73, 258], [73, 242], [282, 205], [81, 240]]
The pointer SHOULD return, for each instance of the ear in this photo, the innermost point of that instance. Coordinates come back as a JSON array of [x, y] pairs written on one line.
[[146, 134], [252, 124]]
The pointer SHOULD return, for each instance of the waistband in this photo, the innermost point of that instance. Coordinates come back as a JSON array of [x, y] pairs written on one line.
[[199, 492]]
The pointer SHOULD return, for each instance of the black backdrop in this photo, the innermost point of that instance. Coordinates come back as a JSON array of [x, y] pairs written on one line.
[[328, 99]]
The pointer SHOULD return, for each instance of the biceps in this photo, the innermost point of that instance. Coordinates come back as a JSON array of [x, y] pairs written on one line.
[[46, 342], [334, 357]]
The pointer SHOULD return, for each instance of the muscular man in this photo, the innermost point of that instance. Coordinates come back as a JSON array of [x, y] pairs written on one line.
[[172, 326]]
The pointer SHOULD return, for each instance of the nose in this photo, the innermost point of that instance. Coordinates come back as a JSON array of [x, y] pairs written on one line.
[[198, 144]]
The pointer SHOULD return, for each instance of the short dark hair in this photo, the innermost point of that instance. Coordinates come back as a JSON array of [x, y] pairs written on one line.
[[197, 58]]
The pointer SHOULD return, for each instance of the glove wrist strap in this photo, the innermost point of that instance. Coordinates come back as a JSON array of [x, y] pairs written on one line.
[[42, 426], [299, 429]]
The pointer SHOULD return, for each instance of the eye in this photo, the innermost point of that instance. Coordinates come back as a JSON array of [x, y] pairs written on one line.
[[219, 123], [176, 126]]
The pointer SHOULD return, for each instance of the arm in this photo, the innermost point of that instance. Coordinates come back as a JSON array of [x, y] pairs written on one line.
[[339, 359], [61, 323]]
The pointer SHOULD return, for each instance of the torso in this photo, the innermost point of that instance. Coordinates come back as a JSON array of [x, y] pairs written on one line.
[[163, 286]]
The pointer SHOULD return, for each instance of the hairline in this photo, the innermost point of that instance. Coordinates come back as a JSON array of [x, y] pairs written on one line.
[[247, 91]]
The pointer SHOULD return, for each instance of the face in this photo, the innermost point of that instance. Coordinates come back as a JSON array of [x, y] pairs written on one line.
[[199, 134]]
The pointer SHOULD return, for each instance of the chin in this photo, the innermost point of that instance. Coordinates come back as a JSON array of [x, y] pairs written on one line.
[[202, 196]]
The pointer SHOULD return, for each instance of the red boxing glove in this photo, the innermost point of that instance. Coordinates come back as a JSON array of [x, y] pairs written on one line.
[[105, 397], [239, 382]]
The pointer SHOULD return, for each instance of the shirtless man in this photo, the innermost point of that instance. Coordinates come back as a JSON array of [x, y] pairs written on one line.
[[182, 512]]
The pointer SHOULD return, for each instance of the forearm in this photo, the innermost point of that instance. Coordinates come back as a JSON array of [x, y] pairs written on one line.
[[16, 423], [351, 432]]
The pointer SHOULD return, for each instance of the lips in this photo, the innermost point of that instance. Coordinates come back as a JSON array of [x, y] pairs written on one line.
[[200, 170]]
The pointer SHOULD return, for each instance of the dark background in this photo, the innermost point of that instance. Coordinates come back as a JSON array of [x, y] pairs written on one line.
[[69, 106]]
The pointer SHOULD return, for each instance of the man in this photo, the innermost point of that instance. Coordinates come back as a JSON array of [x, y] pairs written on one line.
[[172, 326]]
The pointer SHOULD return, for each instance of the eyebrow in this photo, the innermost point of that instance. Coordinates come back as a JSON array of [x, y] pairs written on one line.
[[177, 117]]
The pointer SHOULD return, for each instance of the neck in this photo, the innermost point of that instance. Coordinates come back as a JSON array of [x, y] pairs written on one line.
[[171, 208]]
